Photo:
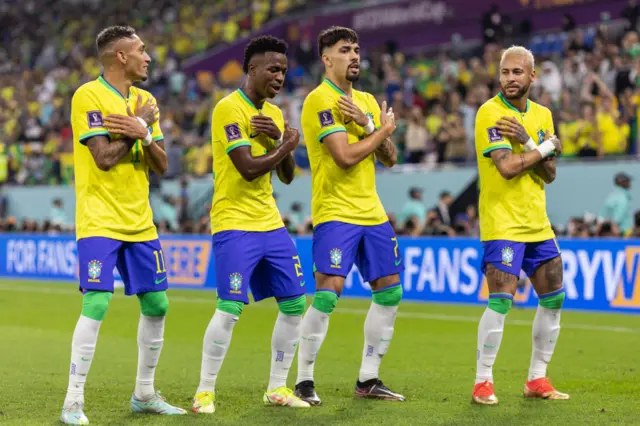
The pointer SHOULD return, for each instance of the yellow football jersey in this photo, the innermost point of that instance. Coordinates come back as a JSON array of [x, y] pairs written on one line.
[[348, 196], [515, 209], [239, 205], [112, 204]]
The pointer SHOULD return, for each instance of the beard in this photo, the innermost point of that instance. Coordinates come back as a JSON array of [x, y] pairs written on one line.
[[353, 77], [522, 92]]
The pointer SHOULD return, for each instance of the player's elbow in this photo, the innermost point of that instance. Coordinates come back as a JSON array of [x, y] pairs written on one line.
[[104, 165], [508, 174], [343, 162]]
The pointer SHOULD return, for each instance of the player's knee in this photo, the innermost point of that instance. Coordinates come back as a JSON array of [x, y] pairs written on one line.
[[553, 300], [500, 303], [389, 296], [293, 307], [154, 304], [95, 304], [325, 301], [232, 307]]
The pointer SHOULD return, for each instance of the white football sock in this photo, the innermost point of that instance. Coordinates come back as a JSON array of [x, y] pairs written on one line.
[[150, 340], [489, 337], [546, 328], [286, 335], [314, 329], [216, 344], [378, 330], [83, 347]]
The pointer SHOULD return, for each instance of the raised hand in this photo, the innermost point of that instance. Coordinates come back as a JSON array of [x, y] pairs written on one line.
[[149, 112], [291, 137], [125, 125], [513, 129], [556, 142], [387, 120], [351, 110], [266, 125]]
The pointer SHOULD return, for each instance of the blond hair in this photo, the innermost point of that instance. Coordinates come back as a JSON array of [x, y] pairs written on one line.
[[519, 51]]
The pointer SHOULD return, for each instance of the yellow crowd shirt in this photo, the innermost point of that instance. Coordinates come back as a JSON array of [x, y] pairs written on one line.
[[112, 204], [513, 209], [348, 196], [239, 205]]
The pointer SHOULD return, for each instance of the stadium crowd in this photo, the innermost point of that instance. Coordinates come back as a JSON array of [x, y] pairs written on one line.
[[591, 87]]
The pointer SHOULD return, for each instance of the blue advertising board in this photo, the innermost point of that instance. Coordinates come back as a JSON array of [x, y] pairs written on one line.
[[599, 274]]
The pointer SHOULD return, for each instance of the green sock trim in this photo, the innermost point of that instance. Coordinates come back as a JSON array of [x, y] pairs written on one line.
[[553, 302], [325, 301], [500, 305], [95, 304], [293, 307], [232, 307], [389, 296], [153, 303]]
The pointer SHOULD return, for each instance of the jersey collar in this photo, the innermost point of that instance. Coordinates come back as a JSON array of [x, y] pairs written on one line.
[[246, 99], [334, 87], [510, 106], [108, 85]]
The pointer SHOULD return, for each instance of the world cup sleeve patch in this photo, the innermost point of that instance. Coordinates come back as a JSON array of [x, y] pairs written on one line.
[[94, 119], [233, 132], [326, 118], [494, 134]]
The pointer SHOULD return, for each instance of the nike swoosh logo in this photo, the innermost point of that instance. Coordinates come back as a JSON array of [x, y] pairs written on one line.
[[254, 136], [302, 284], [85, 359], [159, 281], [490, 346], [347, 122], [218, 342], [398, 262]]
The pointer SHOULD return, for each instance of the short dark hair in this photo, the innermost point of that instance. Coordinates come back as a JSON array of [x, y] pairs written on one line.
[[332, 35], [262, 44], [111, 34]]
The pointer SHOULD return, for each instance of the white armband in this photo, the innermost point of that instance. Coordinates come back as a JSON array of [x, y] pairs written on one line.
[[546, 148], [148, 139], [530, 145], [370, 127]]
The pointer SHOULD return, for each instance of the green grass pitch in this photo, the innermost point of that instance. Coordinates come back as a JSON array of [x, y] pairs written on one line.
[[431, 361]]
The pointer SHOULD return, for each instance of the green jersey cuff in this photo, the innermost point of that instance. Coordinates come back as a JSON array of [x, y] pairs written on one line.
[[487, 152], [237, 145], [83, 138], [331, 131], [158, 138]]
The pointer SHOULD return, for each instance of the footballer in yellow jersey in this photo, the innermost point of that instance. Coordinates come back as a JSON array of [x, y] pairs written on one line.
[[515, 145], [346, 132], [113, 151], [251, 246]]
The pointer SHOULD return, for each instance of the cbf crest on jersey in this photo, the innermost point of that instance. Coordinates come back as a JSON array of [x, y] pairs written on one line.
[[540, 136], [336, 258], [95, 270], [235, 283], [507, 256]]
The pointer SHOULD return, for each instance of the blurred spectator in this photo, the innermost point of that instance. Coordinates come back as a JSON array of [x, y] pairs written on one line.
[[57, 216], [635, 231], [414, 207], [617, 207], [442, 209], [416, 137], [295, 220]]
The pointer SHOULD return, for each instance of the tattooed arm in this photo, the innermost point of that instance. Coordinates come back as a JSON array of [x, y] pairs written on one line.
[[546, 169], [387, 153], [511, 165], [107, 154]]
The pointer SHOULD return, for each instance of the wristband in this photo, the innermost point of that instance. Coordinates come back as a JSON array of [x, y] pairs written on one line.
[[148, 139], [546, 148], [370, 127], [530, 145], [279, 141]]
